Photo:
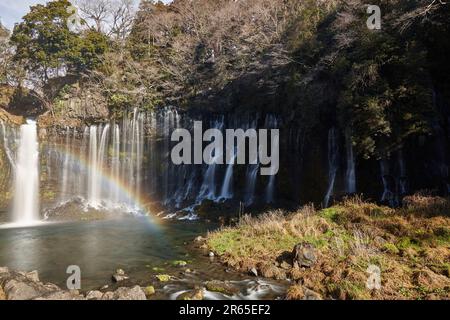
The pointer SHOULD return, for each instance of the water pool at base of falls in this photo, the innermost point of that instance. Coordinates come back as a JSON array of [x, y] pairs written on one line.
[[139, 246]]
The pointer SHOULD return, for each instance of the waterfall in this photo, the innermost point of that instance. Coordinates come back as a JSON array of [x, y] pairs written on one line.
[[66, 164], [227, 187], [93, 192], [26, 188], [8, 137], [402, 180], [388, 195], [208, 188], [115, 192], [111, 166], [103, 169], [333, 164], [83, 171], [167, 117], [252, 174], [153, 153], [272, 123], [270, 193], [350, 178], [101, 162]]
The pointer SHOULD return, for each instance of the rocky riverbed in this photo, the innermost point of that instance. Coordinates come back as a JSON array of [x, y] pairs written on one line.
[[19, 285]]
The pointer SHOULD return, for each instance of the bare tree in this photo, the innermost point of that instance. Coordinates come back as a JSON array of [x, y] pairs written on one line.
[[94, 12], [122, 14], [112, 17]]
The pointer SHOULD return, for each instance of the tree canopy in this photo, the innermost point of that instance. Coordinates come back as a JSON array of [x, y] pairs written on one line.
[[45, 44]]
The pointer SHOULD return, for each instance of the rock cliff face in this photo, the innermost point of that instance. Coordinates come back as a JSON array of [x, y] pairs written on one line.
[[5, 178], [319, 165], [6, 171], [74, 105]]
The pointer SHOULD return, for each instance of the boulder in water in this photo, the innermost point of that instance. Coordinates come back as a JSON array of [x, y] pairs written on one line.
[[149, 291], [195, 295], [200, 239], [223, 287], [254, 272], [163, 277], [120, 276], [179, 263]]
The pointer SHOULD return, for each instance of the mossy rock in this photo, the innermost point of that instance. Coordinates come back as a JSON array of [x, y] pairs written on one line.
[[193, 295], [149, 291], [179, 263], [163, 277], [223, 287]]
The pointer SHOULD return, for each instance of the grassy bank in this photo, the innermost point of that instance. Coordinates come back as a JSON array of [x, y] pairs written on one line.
[[410, 245]]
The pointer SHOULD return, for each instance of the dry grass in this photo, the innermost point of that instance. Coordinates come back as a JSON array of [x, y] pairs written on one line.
[[266, 237], [410, 245], [426, 205]]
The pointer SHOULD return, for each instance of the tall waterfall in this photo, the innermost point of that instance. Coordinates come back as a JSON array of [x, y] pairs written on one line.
[[103, 166], [386, 177], [93, 198], [117, 164], [350, 176], [9, 138], [272, 123], [66, 165], [251, 177], [252, 173], [26, 186], [270, 192], [208, 188], [333, 164], [227, 188], [402, 179]]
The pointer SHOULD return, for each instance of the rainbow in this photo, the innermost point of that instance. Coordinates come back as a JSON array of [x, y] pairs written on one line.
[[142, 203]]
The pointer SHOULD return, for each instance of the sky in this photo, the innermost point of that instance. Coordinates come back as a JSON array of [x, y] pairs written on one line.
[[11, 11]]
